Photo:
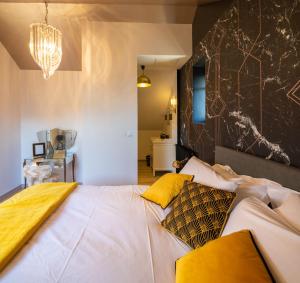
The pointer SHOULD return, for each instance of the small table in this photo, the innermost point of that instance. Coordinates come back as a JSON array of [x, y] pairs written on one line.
[[56, 162]]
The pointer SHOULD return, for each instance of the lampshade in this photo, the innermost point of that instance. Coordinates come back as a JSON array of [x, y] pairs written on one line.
[[45, 46], [143, 80]]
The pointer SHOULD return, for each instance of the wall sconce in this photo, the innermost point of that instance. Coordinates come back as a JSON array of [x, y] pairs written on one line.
[[173, 103]]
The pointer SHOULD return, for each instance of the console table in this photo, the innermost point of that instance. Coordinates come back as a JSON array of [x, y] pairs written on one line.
[[60, 163]]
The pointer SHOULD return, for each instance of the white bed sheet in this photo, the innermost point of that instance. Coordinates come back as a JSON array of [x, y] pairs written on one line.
[[100, 234]]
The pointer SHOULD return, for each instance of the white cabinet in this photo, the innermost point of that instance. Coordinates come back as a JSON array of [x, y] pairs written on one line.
[[163, 154]]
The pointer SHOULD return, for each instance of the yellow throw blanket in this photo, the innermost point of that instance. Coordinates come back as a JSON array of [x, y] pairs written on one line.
[[25, 212]]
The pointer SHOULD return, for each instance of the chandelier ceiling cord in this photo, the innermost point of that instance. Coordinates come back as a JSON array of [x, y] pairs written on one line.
[[45, 46], [46, 16]]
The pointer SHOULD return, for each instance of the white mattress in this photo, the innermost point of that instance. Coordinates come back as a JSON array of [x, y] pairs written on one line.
[[100, 234]]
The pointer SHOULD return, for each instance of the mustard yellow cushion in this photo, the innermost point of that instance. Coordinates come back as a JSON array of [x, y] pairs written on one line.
[[229, 259], [166, 188]]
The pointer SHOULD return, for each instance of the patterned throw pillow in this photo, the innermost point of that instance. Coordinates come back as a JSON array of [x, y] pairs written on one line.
[[199, 213]]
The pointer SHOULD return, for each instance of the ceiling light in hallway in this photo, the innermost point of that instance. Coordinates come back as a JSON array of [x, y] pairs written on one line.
[[143, 80]]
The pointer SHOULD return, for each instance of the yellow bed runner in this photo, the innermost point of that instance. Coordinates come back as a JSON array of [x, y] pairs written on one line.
[[25, 212]]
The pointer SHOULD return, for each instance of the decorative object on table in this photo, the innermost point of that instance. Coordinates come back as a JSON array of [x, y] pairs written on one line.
[[38, 150], [45, 46], [59, 153], [164, 136], [59, 142], [50, 150], [57, 139], [143, 80], [36, 174]]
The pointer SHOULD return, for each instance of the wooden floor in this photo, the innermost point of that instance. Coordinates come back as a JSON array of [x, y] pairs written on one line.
[[11, 193], [145, 176]]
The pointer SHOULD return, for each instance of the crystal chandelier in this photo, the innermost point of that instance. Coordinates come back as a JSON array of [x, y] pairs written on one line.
[[45, 46]]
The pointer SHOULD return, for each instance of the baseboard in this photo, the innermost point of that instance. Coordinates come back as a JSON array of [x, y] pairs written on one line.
[[11, 193]]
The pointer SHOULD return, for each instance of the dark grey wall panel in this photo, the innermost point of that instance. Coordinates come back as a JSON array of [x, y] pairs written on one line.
[[246, 164], [252, 58], [205, 18]]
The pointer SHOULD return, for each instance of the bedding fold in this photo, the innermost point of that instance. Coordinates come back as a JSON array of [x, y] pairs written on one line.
[[25, 212]]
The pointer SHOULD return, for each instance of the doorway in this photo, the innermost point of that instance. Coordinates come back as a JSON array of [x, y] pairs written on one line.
[[157, 117]]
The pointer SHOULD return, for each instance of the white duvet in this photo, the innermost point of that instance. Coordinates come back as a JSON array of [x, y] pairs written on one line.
[[111, 235], [278, 242], [100, 234]]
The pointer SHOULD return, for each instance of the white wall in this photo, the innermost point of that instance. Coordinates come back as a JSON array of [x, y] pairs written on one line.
[[101, 101], [170, 127], [153, 101], [10, 153]]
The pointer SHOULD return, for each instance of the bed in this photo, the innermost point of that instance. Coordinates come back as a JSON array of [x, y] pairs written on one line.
[[111, 234], [100, 234]]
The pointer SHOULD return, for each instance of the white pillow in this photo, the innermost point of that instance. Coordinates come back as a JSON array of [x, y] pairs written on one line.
[[278, 243], [225, 171], [290, 210], [276, 193], [204, 174], [247, 186], [248, 189]]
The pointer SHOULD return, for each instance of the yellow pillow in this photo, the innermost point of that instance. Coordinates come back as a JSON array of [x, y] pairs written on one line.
[[166, 188], [229, 259]]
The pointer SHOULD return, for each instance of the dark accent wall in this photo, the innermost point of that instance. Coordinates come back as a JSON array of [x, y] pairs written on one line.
[[205, 18], [252, 56]]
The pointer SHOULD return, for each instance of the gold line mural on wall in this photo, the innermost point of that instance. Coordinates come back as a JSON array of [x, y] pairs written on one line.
[[292, 93], [252, 58]]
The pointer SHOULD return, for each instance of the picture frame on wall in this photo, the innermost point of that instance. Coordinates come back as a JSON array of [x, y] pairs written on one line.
[[38, 149]]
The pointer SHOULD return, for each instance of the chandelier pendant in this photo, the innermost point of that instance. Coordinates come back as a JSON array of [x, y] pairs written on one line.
[[45, 46]]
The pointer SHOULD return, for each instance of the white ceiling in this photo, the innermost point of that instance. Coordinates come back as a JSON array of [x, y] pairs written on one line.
[[162, 61], [15, 19]]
